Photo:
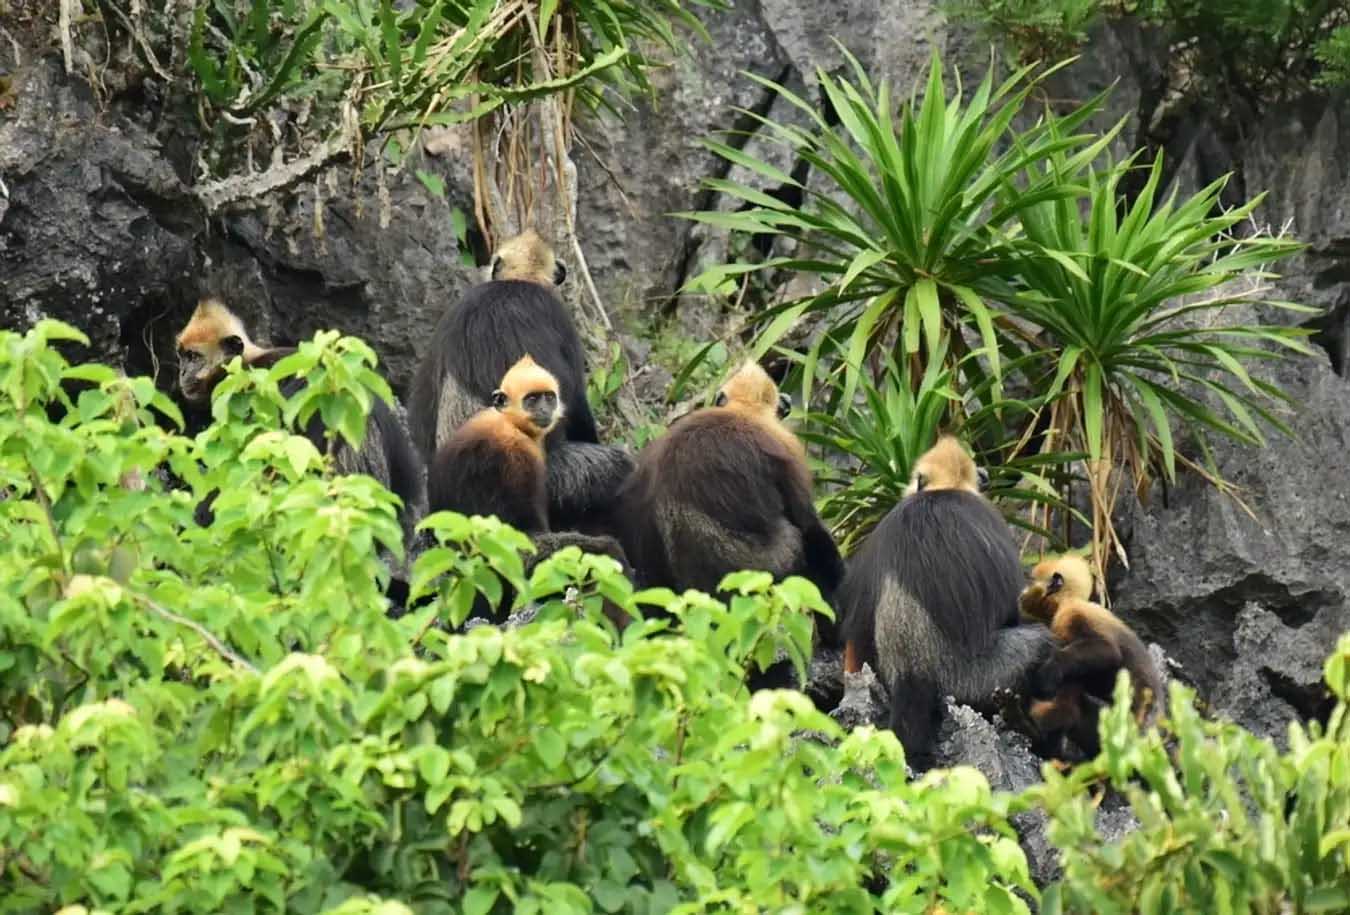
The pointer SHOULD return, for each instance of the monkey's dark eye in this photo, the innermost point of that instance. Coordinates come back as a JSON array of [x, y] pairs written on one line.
[[559, 273], [920, 481], [784, 405], [496, 266], [1056, 582], [188, 355], [232, 345], [721, 399], [982, 478], [499, 399]]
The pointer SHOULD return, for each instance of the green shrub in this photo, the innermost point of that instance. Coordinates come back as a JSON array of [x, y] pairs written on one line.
[[1007, 255], [1227, 822], [225, 719], [1252, 50]]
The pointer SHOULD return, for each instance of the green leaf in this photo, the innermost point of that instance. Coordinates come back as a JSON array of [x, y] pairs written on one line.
[[1093, 412], [550, 746], [436, 186], [480, 900]]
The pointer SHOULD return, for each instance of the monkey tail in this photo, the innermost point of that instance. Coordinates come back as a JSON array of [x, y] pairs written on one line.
[[407, 477]]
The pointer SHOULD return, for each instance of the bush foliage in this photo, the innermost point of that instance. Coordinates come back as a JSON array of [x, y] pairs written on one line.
[[1070, 323], [1253, 50], [226, 719]]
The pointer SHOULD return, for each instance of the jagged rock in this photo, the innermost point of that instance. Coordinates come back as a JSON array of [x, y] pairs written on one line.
[[892, 39], [1005, 758], [94, 226], [1250, 606], [97, 228], [652, 164], [864, 700], [382, 272], [967, 738]]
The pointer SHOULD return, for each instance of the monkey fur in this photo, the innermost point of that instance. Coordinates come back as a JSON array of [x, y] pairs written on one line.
[[727, 488], [930, 600], [215, 335], [1094, 645], [494, 464], [478, 339]]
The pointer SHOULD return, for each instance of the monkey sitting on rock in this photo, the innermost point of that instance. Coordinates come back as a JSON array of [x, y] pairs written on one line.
[[215, 335], [930, 601], [1094, 645], [474, 344]]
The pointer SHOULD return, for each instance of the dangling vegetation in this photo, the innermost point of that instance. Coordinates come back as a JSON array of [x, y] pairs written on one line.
[[1254, 51], [224, 718], [988, 275], [281, 88]]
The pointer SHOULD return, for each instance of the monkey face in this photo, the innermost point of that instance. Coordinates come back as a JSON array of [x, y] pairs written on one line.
[[199, 368], [196, 374], [540, 409], [1034, 602]]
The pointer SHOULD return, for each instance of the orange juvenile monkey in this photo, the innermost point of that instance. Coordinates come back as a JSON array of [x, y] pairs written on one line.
[[1094, 645], [494, 464]]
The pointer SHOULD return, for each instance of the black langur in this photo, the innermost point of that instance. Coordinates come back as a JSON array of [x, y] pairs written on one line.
[[478, 339], [495, 464], [930, 600], [1094, 645], [215, 335], [727, 488]]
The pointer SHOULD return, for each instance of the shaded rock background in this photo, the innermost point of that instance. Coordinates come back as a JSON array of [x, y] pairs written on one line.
[[98, 226]]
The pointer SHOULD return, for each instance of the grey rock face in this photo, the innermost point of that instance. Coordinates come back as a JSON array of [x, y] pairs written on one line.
[[96, 228], [651, 165], [382, 273], [864, 700], [1004, 757], [1250, 606], [93, 227]]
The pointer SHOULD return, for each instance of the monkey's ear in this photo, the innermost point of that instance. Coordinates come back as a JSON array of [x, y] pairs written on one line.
[[784, 405], [232, 345], [499, 398], [559, 273], [496, 266], [982, 478], [721, 399]]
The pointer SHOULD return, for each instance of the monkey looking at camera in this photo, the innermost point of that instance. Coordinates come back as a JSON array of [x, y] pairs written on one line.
[[495, 464], [479, 338], [930, 600], [214, 336], [1094, 645], [727, 488]]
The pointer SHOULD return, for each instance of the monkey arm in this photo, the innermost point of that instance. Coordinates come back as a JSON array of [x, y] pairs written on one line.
[[1087, 656], [824, 564]]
